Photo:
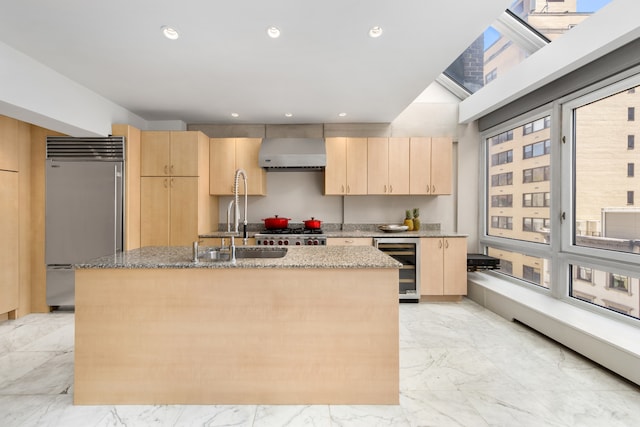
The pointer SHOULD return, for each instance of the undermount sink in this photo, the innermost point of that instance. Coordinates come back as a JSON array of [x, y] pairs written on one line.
[[215, 255]]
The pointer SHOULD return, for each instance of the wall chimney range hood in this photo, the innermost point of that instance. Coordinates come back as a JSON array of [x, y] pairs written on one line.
[[292, 154]]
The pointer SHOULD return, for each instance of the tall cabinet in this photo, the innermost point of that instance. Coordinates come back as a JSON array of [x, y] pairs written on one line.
[[175, 206], [9, 216]]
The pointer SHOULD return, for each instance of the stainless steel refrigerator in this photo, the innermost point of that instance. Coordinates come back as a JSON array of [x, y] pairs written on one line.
[[84, 208]]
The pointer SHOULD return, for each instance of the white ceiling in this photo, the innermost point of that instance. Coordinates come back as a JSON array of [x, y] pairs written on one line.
[[323, 64]]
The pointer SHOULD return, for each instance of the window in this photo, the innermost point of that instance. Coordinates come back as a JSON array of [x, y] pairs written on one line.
[[535, 224], [531, 274], [491, 75], [535, 200], [631, 114], [502, 201], [618, 282], [503, 222], [536, 174], [502, 179], [502, 158], [502, 138], [631, 143], [629, 197], [582, 273], [630, 169], [537, 149]]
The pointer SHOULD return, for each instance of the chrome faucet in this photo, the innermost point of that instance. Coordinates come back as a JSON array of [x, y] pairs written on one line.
[[236, 179]]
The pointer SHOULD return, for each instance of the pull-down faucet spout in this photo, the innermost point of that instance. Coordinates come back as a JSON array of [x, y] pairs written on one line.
[[236, 179]]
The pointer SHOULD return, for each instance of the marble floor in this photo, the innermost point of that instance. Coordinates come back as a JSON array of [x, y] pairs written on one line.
[[460, 365]]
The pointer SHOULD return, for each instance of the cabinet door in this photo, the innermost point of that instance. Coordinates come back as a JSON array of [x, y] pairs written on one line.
[[9, 244], [335, 174], [154, 211], [184, 154], [183, 211], [9, 130], [155, 153], [455, 266], [431, 264], [420, 166], [398, 162], [441, 165], [247, 151], [357, 166], [222, 165], [378, 166]]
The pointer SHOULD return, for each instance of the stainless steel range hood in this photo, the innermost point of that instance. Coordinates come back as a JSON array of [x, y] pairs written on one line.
[[292, 154]]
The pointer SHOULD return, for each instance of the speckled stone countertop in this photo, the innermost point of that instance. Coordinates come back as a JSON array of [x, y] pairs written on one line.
[[350, 230], [296, 257]]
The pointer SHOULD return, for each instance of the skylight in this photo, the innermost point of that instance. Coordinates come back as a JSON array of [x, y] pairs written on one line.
[[525, 27]]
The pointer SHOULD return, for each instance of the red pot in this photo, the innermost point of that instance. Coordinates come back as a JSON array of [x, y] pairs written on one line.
[[276, 223], [312, 224]]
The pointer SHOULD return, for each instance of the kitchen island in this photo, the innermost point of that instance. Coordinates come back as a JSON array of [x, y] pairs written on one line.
[[318, 326]]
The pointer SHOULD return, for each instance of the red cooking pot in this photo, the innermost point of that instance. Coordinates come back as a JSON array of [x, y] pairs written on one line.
[[312, 224], [276, 223]]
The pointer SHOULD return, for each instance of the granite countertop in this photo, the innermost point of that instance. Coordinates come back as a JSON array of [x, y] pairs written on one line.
[[296, 257], [350, 230]]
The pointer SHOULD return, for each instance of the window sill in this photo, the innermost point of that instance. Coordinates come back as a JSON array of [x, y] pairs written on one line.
[[611, 343]]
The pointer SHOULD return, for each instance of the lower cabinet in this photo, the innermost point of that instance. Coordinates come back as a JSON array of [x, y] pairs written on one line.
[[443, 266], [9, 243], [168, 211]]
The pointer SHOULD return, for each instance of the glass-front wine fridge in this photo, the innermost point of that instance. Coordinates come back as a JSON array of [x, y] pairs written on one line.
[[407, 251]]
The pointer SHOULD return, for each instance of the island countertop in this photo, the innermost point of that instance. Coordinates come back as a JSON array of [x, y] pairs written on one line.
[[296, 257]]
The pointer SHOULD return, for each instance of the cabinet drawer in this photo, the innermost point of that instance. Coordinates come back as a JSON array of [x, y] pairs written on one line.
[[350, 241]]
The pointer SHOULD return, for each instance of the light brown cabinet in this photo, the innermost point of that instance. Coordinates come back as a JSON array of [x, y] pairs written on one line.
[[387, 161], [349, 241], [346, 170], [9, 243], [9, 137], [226, 155], [443, 263], [174, 209], [430, 166], [169, 153]]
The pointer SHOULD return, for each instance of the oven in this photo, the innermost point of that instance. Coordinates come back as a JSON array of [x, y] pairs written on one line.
[[407, 251]]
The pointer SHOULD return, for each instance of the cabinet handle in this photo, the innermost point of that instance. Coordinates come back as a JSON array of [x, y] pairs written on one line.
[[385, 188], [428, 189], [348, 241], [433, 189], [439, 244], [446, 244], [391, 189], [171, 169], [172, 182], [165, 183], [166, 170], [348, 189], [342, 189]]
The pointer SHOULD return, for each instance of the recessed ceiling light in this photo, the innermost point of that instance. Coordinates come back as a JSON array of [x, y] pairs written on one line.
[[273, 32], [342, 114], [170, 32], [288, 114], [235, 115], [375, 32]]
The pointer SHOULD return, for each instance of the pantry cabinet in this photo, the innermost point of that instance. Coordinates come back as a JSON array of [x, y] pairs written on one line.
[[174, 207], [443, 262], [226, 155], [170, 153], [9, 137], [346, 170], [430, 166], [387, 161], [9, 243]]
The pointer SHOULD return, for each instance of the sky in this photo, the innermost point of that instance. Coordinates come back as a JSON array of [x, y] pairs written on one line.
[[591, 5]]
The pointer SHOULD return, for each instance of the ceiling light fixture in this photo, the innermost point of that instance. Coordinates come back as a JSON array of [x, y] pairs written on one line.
[[235, 115], [288, 114], [375, 32], [170, 32], [342, 114], [273, 32]]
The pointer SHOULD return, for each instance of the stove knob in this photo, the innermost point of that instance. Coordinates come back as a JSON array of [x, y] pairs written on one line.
[[309, 242], [271, 242], [298, 243], [258, 242], [315, 242], [286, 242]]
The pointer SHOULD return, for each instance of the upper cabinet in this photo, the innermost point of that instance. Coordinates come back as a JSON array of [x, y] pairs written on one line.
[[226, 155], [170, 153], [346, 170], [9, 130], [388, 159], [430, 165]]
